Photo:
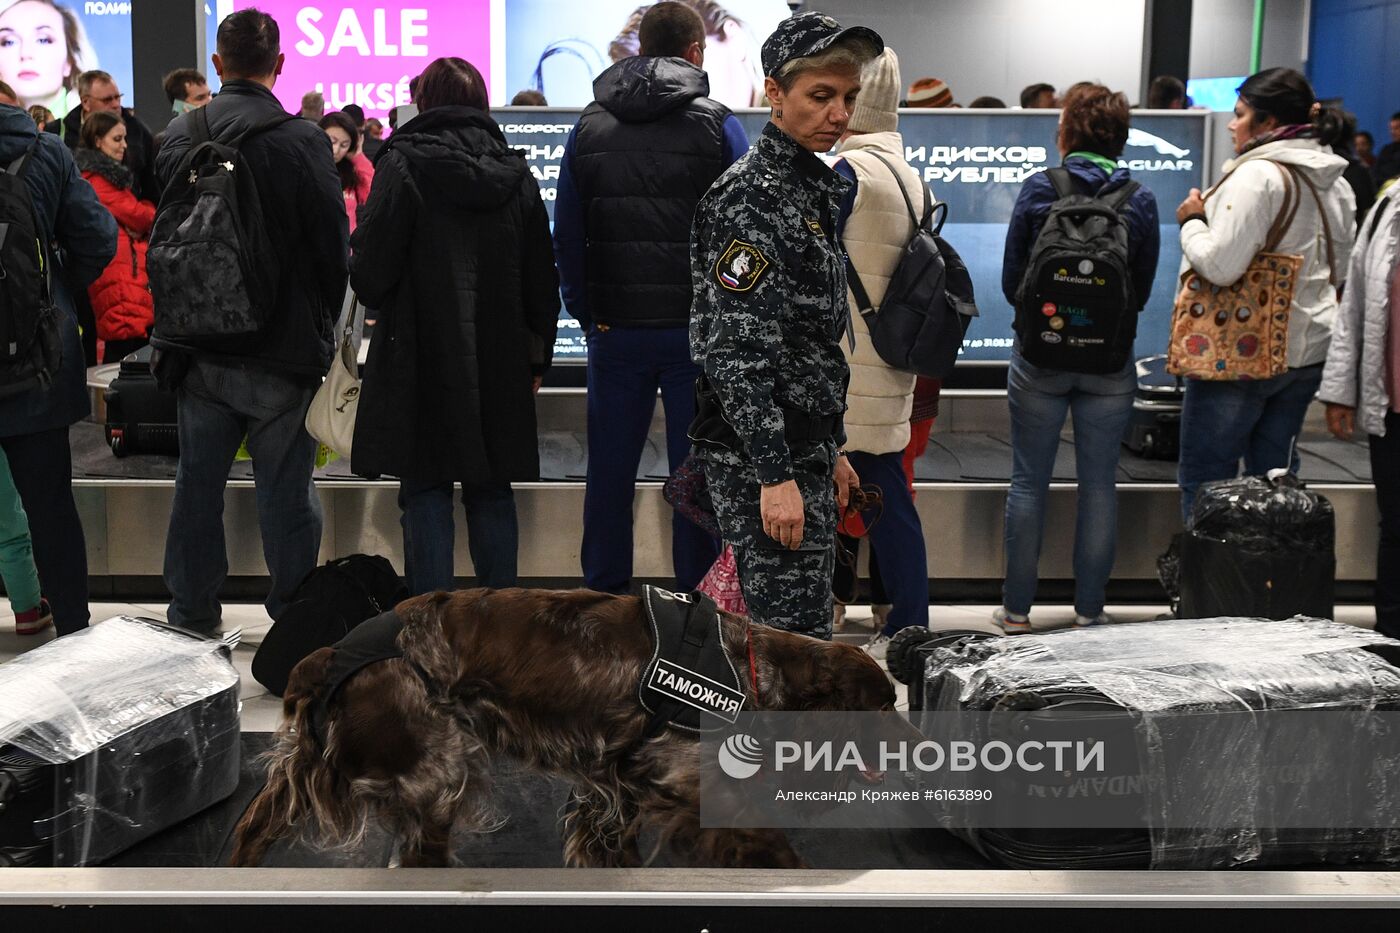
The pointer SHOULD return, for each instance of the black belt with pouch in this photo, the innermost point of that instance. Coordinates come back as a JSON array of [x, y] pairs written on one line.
[[711, 429]]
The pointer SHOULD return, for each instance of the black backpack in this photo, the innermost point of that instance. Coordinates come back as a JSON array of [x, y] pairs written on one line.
[[929, 303], [213, 270], [330, 601], [31, 344], [1075, 309]]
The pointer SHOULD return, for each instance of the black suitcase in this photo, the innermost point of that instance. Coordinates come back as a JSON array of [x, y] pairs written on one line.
[[1174, 667], [1154, 429], [141, 419], [169, 743], [911, 648], [1260, 548]]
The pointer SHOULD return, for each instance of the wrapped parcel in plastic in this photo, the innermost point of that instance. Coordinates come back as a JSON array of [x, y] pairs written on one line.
[[110, 735], [1201, 695], [1258, 547]]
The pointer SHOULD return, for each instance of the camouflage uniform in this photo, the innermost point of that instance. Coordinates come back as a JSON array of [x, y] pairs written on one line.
[[770, 308]]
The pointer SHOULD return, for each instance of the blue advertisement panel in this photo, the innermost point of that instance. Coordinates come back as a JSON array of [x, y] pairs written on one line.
[[976, 161], [45, 45]]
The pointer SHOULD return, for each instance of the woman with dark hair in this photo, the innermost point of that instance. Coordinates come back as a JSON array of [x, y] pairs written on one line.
[[1279, 127], [453, 249], [356, 172], [121, 296], [1093, 131]]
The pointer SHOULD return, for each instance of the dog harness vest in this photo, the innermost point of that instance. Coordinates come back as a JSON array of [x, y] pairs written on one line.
[[690, 681], [370, 642]]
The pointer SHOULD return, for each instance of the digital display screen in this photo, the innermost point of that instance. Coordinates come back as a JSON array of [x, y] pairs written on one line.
[[976, 162], [1218, 94], [45, 45]]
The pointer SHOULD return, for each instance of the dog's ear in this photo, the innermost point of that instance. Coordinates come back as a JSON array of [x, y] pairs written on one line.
[[308, 679]]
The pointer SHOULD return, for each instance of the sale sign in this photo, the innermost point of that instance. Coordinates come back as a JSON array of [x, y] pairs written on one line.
[[366, 52]]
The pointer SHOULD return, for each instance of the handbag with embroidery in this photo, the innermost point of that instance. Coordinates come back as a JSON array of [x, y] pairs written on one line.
[[1240, 331]]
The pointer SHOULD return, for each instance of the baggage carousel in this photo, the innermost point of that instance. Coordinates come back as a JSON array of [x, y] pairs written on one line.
[[913, 879], [961, 484]]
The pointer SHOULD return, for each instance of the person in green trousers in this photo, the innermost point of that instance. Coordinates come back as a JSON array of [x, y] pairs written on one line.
[[32, 613]]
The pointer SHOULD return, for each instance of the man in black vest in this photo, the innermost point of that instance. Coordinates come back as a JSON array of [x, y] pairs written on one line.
[[634, 168]]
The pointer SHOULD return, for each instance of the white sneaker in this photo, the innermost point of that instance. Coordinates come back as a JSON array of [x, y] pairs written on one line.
[[1012, 623], [1102, 618], [877, 646]]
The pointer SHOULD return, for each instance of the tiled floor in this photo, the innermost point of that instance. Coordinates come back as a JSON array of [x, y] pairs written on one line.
[[262, 712]]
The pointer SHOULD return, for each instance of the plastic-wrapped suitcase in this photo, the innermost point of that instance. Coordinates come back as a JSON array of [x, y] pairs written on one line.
[[1154, 429], [1258, 547], [1137, 677], [111, 735], [140, 418]]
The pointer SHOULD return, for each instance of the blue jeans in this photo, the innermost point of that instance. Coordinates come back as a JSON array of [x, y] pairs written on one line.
[[1255, 420], [625, 368], [493, 535], [898, 538], [1040, 399], [218, 405]]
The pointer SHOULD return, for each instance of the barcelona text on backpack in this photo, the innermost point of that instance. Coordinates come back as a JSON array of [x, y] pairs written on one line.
[[1075, 309]]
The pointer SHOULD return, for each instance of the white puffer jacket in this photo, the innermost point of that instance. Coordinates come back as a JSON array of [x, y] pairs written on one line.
[[880, 397], [1355, 372], [1242, 210]]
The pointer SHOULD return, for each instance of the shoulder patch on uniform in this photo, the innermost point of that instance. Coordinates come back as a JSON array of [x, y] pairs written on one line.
[[740, 266]]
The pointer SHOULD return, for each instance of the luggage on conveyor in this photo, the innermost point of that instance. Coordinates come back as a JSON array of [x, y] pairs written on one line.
[[111, 735], [1154, 429], [140, 417], [1258, 547], [1146, 680]]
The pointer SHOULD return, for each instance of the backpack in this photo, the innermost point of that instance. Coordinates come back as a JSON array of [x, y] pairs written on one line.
[[31, 344], [329, 602], [213, 271], [1075, 309], [928, 305]]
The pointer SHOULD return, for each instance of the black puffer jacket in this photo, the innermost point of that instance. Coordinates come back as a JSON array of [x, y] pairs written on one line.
[[647, 148], [453, 249], [303, 213]]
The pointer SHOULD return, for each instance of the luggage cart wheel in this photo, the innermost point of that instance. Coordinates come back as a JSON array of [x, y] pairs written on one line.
[[901, 647]]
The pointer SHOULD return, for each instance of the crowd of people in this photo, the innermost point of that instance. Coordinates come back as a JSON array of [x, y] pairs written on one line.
[[711, 270]]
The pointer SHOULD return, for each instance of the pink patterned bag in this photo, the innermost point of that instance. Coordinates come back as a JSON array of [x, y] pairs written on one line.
[[722, 584]]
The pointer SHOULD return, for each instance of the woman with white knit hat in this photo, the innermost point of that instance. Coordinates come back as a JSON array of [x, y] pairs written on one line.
[[874, 226]]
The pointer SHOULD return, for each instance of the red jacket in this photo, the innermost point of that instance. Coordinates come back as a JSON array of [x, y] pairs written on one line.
[[121, 296]]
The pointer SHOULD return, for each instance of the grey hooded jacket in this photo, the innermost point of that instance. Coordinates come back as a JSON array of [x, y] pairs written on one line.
[[1355, 372]]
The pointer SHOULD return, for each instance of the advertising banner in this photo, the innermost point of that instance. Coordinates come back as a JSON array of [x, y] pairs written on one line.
[[45, 45], [976, 161], [366, 52], [559, 48]]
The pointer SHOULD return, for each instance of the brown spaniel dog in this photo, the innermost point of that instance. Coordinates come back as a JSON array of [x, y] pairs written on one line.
[[548, 678]]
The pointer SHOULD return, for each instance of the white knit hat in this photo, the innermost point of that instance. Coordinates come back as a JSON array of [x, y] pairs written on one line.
[[877, 107]]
